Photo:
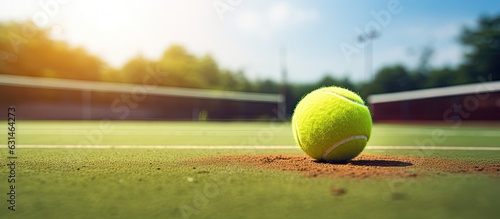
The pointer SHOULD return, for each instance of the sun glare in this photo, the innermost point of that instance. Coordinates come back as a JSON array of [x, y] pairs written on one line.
[[108, 16]]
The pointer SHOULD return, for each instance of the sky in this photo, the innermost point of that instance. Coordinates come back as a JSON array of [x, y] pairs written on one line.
[[319, 37]]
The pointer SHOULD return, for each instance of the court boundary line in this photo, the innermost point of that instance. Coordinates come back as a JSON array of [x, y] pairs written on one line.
[[449, 148]]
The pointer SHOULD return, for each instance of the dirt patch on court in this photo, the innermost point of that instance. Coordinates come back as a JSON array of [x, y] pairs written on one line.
[[363, 166]]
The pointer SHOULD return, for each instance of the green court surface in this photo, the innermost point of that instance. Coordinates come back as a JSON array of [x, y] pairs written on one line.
[[71, 182]]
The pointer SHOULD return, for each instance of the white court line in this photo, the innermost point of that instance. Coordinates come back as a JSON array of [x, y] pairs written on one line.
[[222, 133], [449, 148], [154, 147], [446, 148]]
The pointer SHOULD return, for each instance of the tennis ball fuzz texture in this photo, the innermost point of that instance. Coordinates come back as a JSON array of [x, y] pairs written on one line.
[[332, 124]]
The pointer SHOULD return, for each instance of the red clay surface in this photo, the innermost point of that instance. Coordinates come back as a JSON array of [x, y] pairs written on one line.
[[363, 166]]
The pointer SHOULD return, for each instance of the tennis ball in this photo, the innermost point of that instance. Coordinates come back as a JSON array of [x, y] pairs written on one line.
[[332, 124]]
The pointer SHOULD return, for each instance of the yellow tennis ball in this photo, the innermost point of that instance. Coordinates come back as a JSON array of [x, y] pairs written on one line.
[[332, 124]]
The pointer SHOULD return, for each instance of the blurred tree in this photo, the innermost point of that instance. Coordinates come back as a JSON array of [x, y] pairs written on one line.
[[328, 80], [240, 82], [483, 56], [391, 79], [441, 77], [181, 68], [235, 81], [38, 55], [268, 86], [135, 69], [110, 74], [208, 70], [424, 60]]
